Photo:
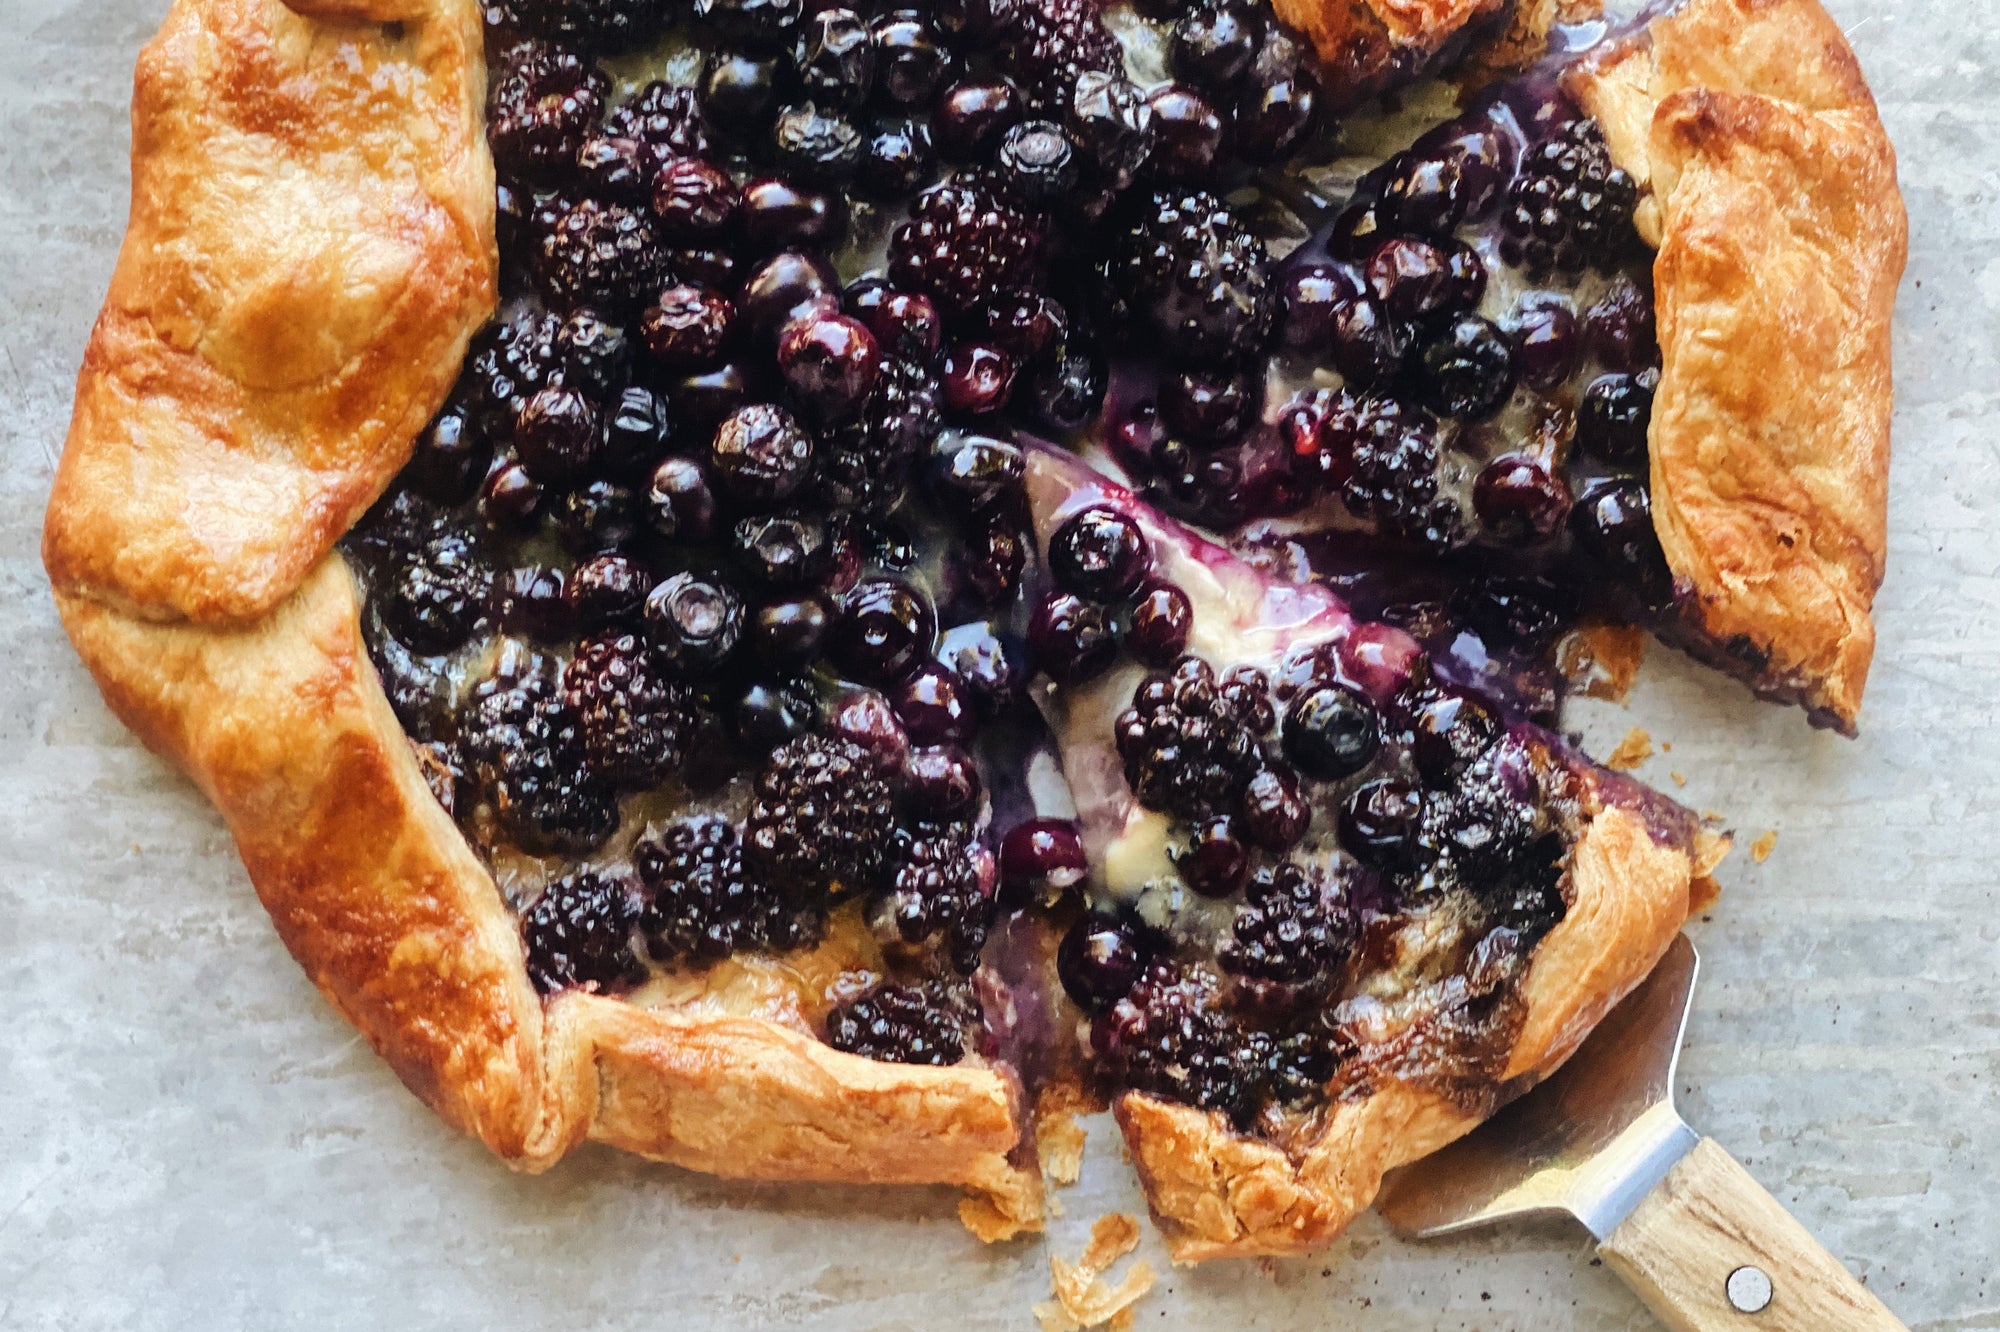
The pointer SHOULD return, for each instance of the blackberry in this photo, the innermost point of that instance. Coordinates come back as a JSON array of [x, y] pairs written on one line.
[[601, 254], [544, 103], [620, 170], [964, 245], [937, 893], [1190, 268], [866, 465], [1296, 925], [824, 819], [1569, 206], [1186, 751], [667, 117], [525, 749], [438, 598], [1169, 1037], [579, 934], [597, 25], [635, 725], [905, 1024], [1048, 46], [1392, 452], [702, 906], [507, 364]]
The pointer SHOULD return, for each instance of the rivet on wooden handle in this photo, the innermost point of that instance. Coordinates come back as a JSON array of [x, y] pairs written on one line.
[[1710, 1251]]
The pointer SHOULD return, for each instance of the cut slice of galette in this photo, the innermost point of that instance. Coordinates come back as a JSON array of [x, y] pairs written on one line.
[[961, 556]]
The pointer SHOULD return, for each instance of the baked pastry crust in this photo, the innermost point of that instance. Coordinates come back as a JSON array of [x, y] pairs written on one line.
[[309, 250], [1770, 193], [284, 726]]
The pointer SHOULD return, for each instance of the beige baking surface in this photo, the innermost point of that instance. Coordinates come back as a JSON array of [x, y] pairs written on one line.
[[189, 1138]]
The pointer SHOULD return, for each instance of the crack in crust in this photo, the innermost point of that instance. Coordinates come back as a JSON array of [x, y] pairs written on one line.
[[309, 249], [284, 726], [1770, 194]]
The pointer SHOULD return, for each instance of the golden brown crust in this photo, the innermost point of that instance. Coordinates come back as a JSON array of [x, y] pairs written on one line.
[[1367, 46], [284, 726], [309, 249], [1217, 1192], [1771, 196]]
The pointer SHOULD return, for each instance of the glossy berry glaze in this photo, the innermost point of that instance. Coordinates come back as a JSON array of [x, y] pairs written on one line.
[[748, 630]]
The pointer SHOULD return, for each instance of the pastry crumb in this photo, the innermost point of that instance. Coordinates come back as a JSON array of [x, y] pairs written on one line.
[[1678, 779], [1082, 1298], [1059, 1141], [1634, 749], [1601, 660], [1760, 850], [1010, 1205]]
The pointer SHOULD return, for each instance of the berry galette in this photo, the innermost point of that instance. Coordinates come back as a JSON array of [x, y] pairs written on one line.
[[780, 585]]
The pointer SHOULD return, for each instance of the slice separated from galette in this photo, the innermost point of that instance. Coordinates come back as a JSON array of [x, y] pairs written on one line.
[[666, 692]]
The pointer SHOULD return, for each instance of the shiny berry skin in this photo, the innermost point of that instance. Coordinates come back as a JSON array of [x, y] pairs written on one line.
[[1331, 732], [1359, 231], [1378, 825], [1546, 344], [911, 62], [1519, 500], [1215, 861], [667, 117], [991, 563], [1520, 611], [578, 934], [1416, 279], [1613, 521], [834, 57], [1214, 43], [1620, 327], [1464, 369], [1310, 296], [971, 117], [1612, 421], [679, 503], [760, 456], [598, 515], [543, 104], [866, 718], [1071, 640], [896, 161], [934, 706], [940, 782], [1431, 192], [970, 473], [1162, 618], [1099, 961], [1038, 162], [1367, 346], [1207, 408], [779, 215], [817, 144], [1276, 105], [1275, 814], [904, 323], [784, 287], [605, 590], [556, 435], [636, 434], [703, 400], [693, 201], [1194, 271], [510, 500], [1068, 395], [739, 92], [788, 633], [1449, 730], [604, 255], [688, 328], [1111, 123], [1100, 554], [618, 169], [987, 668], [1187, 135], [885, 628], [528, 600], [964, 245], [451, 457], [783, 552], [1040, 854], [770, 713], [753, 22], [830, 363], [978, 379]]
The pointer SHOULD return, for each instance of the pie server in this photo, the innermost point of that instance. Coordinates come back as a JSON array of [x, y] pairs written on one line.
[[1675, 1215]]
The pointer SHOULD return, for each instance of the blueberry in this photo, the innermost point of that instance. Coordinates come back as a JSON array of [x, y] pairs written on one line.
[[1331, 732], [693, 622], [834, 57], [1162, 618], [885, 628], [1612, 422], [1378, 826], [760, 456], [1464, 369], [1099, 961], [1071, 639], [1215, 861], [784, 552], [1040, 854], [1520, 501], [1099, 553], [1213, 44], [788, 633]]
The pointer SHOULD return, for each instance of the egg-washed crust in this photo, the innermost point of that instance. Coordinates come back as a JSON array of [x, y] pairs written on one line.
[[1216, 1192], [1769, 190], [310, 247], [284, 726]]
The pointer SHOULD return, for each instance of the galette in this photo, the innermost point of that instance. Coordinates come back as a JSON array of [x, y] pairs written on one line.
[[790, 586]]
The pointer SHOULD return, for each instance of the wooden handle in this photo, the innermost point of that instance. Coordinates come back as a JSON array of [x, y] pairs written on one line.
[[1710, 1251]]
